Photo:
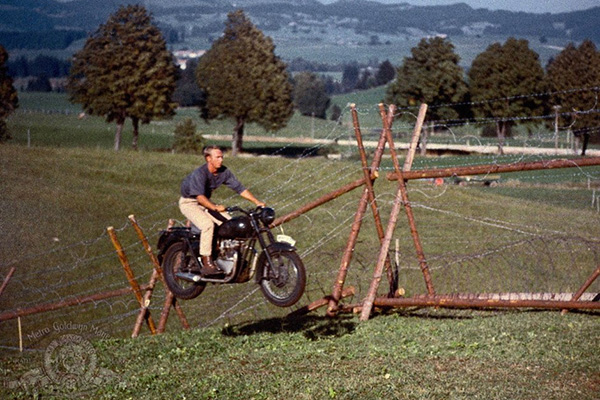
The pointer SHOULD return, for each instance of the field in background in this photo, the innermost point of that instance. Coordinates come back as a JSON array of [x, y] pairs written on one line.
[[344, 50], [48, 119], [342, 46]]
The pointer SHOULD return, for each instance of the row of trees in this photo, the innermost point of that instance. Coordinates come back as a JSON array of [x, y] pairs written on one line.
[[505, 72], [240, 77], [52, 39], [41, 65], [355, 76], [125, 71]]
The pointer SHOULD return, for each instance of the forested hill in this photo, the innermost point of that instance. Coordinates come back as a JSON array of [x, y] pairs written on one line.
[[42, 23]]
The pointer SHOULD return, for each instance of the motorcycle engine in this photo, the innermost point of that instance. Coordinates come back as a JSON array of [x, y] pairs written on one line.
[[229, 250]]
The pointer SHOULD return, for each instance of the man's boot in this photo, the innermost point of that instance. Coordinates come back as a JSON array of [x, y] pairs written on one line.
[[208, 268]]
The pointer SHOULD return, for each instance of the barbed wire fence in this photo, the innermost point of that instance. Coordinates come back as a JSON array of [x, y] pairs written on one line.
[[473, 244]]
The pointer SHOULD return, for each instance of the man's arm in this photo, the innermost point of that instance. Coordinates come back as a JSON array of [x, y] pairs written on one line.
[[209, 205], [250, 197]]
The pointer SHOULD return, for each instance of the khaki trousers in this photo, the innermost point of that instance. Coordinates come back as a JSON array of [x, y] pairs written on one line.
[[200, 217]]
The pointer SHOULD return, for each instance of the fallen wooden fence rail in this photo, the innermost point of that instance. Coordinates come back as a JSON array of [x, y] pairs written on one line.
[[454, 302], [496, 168], [347, 292], [75, 301], [511, 296]]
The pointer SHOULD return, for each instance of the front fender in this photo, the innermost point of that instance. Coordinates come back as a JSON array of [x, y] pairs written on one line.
[[262, 259]]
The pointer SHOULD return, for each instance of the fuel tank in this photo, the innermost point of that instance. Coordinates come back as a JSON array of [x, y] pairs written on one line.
[[236, 228]]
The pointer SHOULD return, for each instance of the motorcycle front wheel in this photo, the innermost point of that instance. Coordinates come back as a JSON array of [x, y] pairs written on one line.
[[285, 281], [178, 260]]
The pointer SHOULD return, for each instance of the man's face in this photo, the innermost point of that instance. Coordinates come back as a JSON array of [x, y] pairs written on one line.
[[215, 159]]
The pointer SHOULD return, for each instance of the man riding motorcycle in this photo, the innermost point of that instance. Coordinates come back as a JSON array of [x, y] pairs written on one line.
[[196, 206]]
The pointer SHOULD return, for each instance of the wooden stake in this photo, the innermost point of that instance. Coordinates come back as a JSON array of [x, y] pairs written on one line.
[[10, 274], [400, 199], [129, 273], [156, 274], [20, 335], [347, 292], [586, 285], [372, 200], [169, 298], [415, 138], [355, 229], [144, 312]]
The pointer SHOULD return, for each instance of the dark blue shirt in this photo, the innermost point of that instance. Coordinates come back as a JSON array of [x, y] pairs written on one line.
[[202, 182]]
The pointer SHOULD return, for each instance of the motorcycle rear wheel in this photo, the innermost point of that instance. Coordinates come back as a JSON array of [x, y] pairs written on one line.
[[175, 260], [287, 291]]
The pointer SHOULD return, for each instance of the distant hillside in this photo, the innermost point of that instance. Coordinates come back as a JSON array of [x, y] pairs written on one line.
[[185, 19]]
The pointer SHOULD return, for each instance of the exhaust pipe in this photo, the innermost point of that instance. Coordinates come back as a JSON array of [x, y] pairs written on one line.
[[188, 276]]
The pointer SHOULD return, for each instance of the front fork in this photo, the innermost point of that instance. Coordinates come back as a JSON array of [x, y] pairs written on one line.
[[277, 271], [274, 272]]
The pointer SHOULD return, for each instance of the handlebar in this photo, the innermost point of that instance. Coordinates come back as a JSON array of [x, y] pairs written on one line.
[[239, 209]]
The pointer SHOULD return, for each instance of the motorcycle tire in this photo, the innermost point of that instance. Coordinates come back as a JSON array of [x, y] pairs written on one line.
[[286, 292], [175, 260]]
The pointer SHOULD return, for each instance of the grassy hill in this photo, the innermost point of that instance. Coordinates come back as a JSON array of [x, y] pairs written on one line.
[[535, 232], [406, 355], [56, 203]]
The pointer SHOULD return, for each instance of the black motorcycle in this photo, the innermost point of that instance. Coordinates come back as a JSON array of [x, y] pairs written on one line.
[[243, 248]]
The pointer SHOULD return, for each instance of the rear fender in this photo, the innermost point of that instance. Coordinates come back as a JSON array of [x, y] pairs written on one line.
[[170, 236], [262, 259]]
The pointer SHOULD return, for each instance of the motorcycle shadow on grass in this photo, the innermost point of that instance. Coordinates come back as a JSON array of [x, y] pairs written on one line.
[[315, 327], [312, 327]]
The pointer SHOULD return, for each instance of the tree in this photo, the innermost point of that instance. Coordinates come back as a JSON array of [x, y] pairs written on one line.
[[39, 84], [8, 95], [430, 75], [366, 80], [125, 71], [350, 76], [385, 73], [19, 67], [336, 114], [186, 138], [187, 93], [49, 66], [506, 72], [577, 68], [244, 80], [310, 97]]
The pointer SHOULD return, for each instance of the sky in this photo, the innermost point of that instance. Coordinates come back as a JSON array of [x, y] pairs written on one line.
[[534, 6]]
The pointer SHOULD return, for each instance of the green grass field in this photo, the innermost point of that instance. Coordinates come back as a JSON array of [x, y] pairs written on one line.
[[48, 119], [534, 232], [406, 355]]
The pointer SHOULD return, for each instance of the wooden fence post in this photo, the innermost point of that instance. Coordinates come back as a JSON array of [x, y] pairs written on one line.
[[10, 274], [130, 277], [156, 274], [400, 198], [356, 225]]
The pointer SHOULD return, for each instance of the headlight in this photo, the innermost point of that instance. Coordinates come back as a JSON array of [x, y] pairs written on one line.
[[267, 215]]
